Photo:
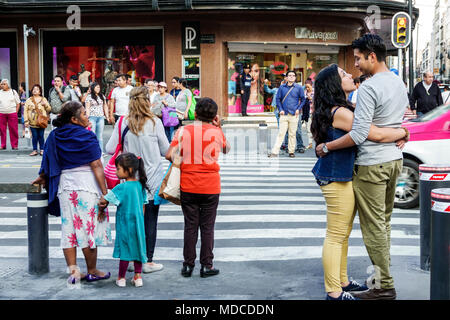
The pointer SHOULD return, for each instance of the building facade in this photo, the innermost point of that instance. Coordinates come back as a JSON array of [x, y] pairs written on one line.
[[439, 40], [207, 42]]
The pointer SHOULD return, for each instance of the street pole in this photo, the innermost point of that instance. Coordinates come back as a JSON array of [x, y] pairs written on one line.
[[25, 49], [411, 52]]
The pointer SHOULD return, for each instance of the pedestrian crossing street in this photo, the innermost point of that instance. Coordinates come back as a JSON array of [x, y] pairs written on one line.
[[270, 209]]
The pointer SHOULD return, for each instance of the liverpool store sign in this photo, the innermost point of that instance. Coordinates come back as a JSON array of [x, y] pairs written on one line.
[[305, 33]]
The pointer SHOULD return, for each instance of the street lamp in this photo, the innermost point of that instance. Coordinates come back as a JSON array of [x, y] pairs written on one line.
[[27, 31]]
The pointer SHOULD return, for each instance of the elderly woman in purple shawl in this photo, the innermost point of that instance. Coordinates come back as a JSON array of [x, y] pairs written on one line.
[[73, 175]]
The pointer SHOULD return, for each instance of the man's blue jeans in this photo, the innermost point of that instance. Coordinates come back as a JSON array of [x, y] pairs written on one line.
[[97, 126]]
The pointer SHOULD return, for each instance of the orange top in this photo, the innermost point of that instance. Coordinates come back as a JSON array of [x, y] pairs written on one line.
[[201, 146]]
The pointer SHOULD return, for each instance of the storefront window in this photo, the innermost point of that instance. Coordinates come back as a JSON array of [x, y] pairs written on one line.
[[100, 55], [103, 64], [191, 72], [5, 59], [318, 61], [8, 58], [236, 62]]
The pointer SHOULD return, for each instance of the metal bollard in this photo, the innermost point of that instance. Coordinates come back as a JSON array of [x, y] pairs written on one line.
[[431, 177], [440, 245], [38, 246], [262, 139]]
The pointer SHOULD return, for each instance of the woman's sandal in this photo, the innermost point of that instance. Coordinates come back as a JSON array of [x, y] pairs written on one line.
[[92, 277], [34, 153]]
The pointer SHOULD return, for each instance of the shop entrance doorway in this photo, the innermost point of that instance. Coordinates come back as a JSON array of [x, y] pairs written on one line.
[[268, 69]]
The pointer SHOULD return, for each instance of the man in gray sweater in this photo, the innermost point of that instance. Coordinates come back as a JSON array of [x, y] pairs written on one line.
[[382, 101]]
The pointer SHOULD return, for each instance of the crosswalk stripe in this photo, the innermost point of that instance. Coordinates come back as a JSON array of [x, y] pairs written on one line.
[[273, 191], [237, 208], [264, 185], [230, 234], [228, 254], [253, 218]]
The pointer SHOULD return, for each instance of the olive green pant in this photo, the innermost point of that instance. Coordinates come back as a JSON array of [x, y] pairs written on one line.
[[374, 188]]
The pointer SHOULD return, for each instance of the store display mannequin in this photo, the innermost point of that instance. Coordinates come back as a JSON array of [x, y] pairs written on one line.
[[109, 77], [83, 76]]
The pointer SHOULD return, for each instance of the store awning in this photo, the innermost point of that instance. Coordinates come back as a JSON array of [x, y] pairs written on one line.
[[267, 47]]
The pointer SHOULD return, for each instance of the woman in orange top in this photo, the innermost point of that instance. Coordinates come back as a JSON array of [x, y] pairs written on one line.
[[201, 144]]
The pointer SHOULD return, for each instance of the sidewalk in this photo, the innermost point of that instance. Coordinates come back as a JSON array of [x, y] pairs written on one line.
[[268, 280]]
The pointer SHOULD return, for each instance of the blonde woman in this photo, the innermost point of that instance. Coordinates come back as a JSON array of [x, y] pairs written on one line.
[[146, 139], [33, 106]]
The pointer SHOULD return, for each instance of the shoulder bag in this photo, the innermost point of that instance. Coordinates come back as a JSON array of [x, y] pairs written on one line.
[[41, 119], [110, 169], [170, 186]]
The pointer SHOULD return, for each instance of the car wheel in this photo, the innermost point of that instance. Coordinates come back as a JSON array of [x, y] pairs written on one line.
[[407, 190]]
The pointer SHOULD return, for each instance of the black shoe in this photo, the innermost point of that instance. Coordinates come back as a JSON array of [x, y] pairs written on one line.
[[355, 286], [208, 272], [187, 271], [291, 155]]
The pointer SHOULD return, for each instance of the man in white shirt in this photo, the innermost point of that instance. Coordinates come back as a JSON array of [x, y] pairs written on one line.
[[120, 98], [9, 106]]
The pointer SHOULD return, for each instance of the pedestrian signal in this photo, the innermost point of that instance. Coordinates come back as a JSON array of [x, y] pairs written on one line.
[[401, 30]]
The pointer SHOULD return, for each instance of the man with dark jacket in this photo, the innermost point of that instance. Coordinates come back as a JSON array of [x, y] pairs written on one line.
[[426, 95]]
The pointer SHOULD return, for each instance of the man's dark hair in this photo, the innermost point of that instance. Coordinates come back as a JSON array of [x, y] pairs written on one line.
[[127, 76], [148, 80], [369, 43], [206, 109], [74, 77], [59, 76], [291, 71], [123, 76]]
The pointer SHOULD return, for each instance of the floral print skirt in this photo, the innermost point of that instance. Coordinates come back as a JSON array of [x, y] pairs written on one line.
[[79, 220]]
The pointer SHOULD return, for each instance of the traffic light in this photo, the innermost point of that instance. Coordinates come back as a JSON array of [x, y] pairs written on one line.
[[401, 30]]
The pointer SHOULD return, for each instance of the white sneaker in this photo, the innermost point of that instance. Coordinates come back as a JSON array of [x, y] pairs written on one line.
[[137, 282], [148, 268], [121, 282]]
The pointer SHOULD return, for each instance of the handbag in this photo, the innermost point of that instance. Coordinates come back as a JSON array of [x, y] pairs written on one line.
[[110, 169], [191, 112], [169, 117], [170, 186], [41, 120]]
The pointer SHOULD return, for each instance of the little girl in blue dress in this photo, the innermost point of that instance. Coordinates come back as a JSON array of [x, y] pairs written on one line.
[[130, 198]]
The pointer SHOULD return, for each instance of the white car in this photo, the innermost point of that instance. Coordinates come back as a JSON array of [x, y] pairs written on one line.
[[429, 144]]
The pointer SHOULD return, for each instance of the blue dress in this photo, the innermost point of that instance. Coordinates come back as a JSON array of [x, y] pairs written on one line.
[[129, 197]]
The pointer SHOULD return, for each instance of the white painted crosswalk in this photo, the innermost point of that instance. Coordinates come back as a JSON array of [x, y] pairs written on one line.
[[270, 209]]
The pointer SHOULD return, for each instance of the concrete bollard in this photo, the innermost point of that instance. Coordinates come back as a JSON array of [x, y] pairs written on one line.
[[262, 139], [440, 245], [431, 177], [38, 246]]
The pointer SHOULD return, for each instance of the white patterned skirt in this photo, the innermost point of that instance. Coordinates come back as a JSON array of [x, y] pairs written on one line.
[[79, 211]]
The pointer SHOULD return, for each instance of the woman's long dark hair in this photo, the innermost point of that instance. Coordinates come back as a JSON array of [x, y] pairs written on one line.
[[129, 162], [94, 95], [70, 109], [328, 93]]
